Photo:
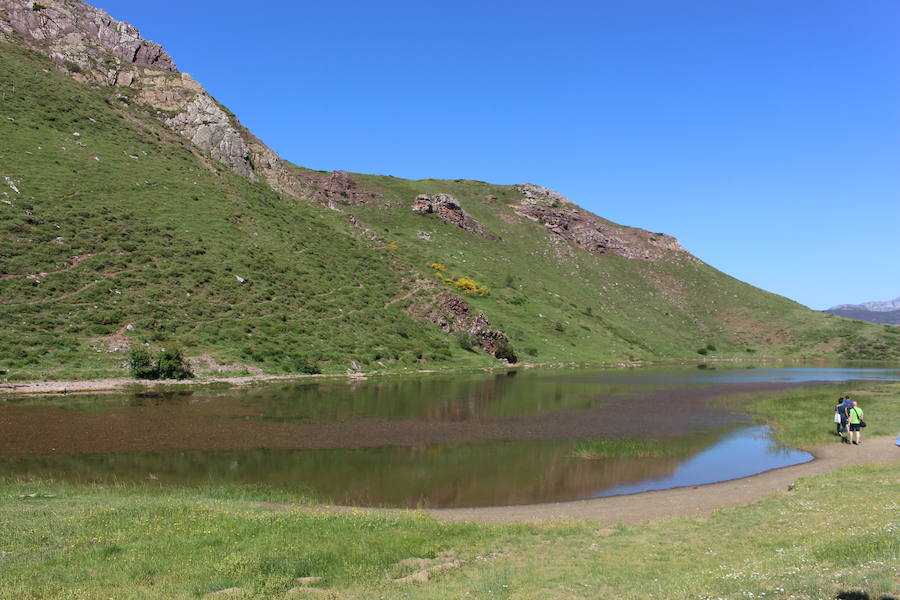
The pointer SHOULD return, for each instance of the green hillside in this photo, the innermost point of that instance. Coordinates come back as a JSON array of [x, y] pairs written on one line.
[[117, 232]]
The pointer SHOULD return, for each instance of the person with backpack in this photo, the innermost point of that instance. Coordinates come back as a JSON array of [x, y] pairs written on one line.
[[855, 416], [839, 417], [842, 409]]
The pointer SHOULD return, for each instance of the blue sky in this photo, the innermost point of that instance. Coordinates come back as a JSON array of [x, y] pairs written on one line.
[[764, 135]]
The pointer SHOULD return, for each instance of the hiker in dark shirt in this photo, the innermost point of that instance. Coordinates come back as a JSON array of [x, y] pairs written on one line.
[[838, 419], [843, 408]]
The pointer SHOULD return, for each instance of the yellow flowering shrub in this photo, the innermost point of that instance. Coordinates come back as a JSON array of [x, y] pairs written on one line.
[[466, 285], [470, 287]]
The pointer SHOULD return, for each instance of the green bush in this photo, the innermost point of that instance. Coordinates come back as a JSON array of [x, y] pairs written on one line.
[[303, 365], [169, 364], [504, 350], [703, 351], [141, 365], [467, 341]]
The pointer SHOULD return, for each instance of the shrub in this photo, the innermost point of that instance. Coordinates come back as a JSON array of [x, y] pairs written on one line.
[[702, 351], [710, 347], [467, 341], [504, 350], [301, 364], [141, 365], [170, 364], [470, 287]]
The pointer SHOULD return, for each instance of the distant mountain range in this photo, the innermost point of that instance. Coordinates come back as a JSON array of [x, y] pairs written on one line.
[[873, 312]]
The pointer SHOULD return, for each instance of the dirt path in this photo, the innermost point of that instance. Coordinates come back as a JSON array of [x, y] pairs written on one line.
[[696, 501], [688, 501], [73, 262]]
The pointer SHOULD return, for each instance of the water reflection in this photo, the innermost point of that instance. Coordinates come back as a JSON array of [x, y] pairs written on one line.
[[439, 476], [461, 440], [740, 454]]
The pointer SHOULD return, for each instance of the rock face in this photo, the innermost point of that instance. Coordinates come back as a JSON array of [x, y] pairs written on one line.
[[449, 210], [209, 128], [454, 315], [81, 34], [595, 234]]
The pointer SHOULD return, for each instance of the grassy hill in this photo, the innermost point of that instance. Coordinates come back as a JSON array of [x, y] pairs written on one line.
[[117, 232]]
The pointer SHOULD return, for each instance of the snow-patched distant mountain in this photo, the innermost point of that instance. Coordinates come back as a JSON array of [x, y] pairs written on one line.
[[874, 312]]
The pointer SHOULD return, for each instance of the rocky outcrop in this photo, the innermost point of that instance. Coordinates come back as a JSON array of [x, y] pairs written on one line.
[[541, 194], [81, 35], [449, 210], [210, 128], [454, 315], [336, 187], [595, 234]]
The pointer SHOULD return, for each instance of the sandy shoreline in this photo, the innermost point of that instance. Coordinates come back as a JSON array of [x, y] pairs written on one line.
[[120, 385]]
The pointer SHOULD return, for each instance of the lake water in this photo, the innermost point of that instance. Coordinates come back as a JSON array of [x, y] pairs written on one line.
[[461, 440]]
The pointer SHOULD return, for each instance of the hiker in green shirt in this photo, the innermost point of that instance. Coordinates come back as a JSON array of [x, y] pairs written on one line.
[[855, 414]]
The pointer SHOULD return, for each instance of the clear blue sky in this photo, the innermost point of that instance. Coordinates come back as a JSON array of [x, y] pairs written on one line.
[[765, 135]]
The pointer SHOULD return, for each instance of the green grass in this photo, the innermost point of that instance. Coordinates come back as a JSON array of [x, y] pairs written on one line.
[[831, 534], [66, 540], [803, 418], [600, 448], [90, 542], [164, 241]]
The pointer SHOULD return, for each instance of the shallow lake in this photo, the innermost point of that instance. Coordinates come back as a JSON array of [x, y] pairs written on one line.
[[441, 441]]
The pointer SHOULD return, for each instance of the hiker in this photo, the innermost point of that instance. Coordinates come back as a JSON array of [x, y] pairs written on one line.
[[842, 409], [855, 415], [839, 417]]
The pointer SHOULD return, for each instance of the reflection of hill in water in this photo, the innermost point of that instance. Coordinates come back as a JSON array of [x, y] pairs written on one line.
[[466, 475]]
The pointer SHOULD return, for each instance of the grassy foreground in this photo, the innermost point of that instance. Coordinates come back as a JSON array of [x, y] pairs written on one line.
[[832, 534]]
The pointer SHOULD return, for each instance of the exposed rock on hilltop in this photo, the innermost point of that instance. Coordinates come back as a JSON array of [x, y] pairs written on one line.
[[83, 35], [336, 187], [593, 233], [448, 209]]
